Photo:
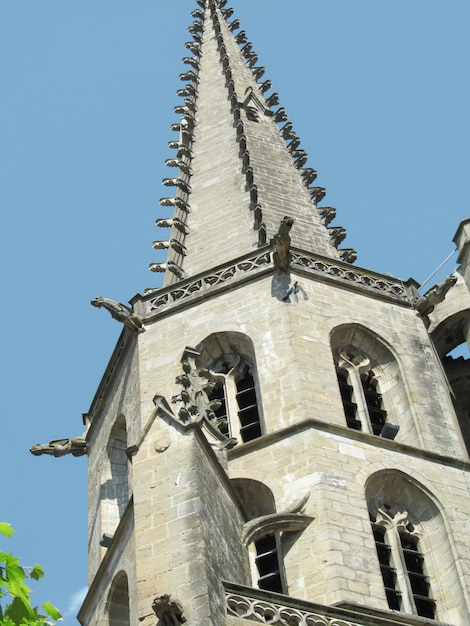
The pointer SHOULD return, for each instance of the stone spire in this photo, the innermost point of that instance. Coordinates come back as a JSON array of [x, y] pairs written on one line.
[[238, 167]]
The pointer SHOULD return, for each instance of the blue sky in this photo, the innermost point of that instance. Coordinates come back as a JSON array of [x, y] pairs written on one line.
[[378, 91]]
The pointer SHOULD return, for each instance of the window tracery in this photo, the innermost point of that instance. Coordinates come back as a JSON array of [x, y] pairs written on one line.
[[229, 359], [411, 530], [360, 392], [402, 563]]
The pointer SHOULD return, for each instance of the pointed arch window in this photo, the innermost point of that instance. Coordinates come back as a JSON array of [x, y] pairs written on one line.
[[238, 414], [402, 564], [229, 357], [360, 392]]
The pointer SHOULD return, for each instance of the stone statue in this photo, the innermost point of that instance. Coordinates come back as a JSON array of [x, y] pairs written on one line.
[[425, 304], [282, 255], [121, 313], [60, 447], [168, 610]]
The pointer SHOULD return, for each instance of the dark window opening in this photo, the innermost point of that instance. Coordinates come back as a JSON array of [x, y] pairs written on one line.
[[250, 427], [414, 562], [267, 563], [377, 414], [388, 572], [350, 408]]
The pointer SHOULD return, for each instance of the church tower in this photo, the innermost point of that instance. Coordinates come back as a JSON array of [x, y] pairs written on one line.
[[275, 439]]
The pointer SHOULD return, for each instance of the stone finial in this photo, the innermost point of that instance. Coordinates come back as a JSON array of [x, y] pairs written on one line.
[[121, 313], [60, 447], [282, 255], [168, 610], [425, 304]]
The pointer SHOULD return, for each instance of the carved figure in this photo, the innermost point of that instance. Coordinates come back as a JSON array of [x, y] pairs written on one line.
[[121, 313], [60, 447], [168, 610], [425, 304], [282, 255]]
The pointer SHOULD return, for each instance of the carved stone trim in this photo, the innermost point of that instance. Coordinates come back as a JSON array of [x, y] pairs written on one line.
[[168, 297], [256, 610], [363, 278], [282, 522]]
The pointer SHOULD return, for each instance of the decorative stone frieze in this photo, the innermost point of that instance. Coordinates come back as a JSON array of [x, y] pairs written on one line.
[[263, 612]]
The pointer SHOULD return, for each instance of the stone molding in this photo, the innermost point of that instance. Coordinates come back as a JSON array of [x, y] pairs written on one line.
[[387, 285], [158, 300], [168, 297]]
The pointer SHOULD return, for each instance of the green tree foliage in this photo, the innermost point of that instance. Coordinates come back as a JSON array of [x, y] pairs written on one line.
[[15, 603]]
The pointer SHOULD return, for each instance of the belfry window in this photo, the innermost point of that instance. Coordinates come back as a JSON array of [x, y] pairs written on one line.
[[360, 393], [350, 407], [402, 564], [238, 414], [373, 401]]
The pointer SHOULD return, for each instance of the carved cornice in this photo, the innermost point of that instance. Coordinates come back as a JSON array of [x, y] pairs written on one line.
[[227, 275], [351, 275], [202, 284]]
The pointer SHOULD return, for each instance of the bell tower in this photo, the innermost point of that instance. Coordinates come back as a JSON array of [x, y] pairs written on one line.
[[274, 439]]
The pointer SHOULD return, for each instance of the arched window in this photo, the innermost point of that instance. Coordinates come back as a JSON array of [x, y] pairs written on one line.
[[371, 387], [414, 549], [264, 545], [360, 392], [452, 340], [402, 564], [230, 359], [115, 492], [118, 602]]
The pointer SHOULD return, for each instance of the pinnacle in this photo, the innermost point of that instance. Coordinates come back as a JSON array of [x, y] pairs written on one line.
[[239, 164]]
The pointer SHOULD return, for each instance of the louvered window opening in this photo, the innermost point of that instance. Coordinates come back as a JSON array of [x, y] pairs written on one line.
[[248, 415], [377, 414], [350, 407], [389, 575], [414, 562], [414, 568], [267, 563]]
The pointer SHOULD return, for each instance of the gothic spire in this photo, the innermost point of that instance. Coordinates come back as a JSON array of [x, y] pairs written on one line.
[[238, 167]]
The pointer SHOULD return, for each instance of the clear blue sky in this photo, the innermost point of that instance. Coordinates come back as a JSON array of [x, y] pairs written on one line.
[[378, 91]]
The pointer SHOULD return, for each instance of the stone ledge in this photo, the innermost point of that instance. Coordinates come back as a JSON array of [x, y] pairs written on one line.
[[349, 434]]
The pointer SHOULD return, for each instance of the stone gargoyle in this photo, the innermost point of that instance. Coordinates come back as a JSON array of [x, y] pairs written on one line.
[[425, 304], [282, 254], [60, 447], [121, 313], [168, 610]]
